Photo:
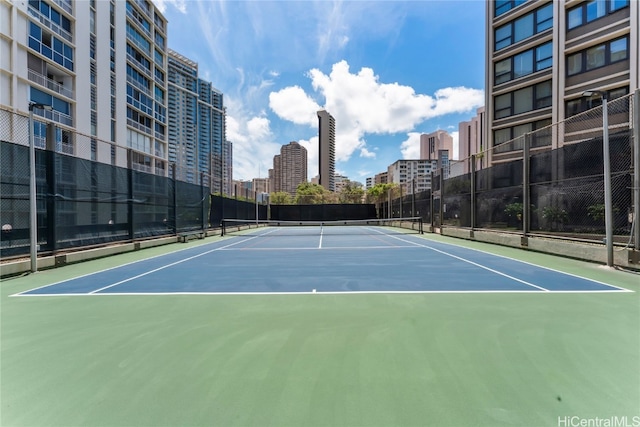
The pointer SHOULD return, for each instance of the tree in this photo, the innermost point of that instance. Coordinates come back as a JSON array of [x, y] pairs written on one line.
[[280, 198], [379, 192], [310, 194], [352, 192]]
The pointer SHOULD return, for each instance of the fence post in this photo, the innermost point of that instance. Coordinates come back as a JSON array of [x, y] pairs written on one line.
[[636, 168], [473, 191], [432, 210], [202, 201], [130, 205], [608, 204], [442, 205], [52, 211], [175, 198], [526, 199]]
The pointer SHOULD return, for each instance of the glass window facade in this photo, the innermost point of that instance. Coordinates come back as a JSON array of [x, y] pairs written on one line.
[[50, 46], [524, 27], [598, 56], [523, 100], [524, 63], [592, 10]]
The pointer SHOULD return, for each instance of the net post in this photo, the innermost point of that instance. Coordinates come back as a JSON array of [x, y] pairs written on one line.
[[222, 227]]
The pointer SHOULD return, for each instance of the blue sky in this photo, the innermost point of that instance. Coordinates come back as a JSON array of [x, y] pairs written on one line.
[[386, 70]]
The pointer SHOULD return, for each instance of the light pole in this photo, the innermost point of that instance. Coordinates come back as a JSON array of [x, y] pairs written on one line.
[[608, 206], [33, 206]]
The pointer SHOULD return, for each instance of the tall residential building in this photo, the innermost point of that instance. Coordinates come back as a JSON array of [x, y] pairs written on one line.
[[101, 66], [413, 176], [543, 55], [289, 168], [212, 137], [227, 170], [183, 116], [196, 125], [327, 149]]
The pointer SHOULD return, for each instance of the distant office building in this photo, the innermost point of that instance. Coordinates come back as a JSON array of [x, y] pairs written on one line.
[[340, 181], [369, 183], [413, 176], [432, 144], [543, 55], [327, 149], [261, 185], [289, 168], [242, 189], [380, 178], [470, 142]]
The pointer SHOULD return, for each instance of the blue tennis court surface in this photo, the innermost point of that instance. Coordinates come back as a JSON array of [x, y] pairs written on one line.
[[352, 260]]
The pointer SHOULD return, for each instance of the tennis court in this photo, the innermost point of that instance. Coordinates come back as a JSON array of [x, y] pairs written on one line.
[[321, 326], [323, 258]]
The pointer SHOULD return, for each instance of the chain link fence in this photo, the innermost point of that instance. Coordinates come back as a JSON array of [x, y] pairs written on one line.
[[87, 192], [547, 182]]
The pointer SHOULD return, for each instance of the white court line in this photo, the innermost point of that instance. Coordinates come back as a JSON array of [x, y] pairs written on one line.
[[126, 264], [253, 293], [619, 289], [169, 265], [324, 248], [321, 234], [470, 262], [536, 265]]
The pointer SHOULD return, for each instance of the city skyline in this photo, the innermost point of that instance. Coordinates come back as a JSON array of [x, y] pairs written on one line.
[[387, 72]]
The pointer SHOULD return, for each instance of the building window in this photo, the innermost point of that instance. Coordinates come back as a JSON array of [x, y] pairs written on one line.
[[524, 27], [538, 139], [50, 46], [524, 63], [590, 11], [523, 100], [598, 56]]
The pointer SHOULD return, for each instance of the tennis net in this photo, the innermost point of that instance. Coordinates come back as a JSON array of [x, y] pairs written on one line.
[[336, 227]]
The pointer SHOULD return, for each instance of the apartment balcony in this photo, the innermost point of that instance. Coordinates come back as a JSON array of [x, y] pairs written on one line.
[[138, 126], [141, 167], [55, 28], [139, 26], [55, 116], [139, 65], [139, 86], [65, 5], [142, 4], [38, 78]]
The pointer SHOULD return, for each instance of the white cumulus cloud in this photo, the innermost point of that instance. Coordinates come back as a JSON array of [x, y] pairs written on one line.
[[410, 148], [293, 104], [362, 104]]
